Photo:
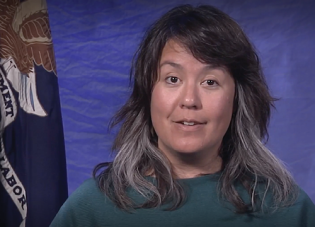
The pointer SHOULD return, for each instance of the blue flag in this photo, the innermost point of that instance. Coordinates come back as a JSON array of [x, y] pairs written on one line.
[[33, 183]]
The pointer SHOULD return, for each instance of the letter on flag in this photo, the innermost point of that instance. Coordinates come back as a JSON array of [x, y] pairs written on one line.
[[32, 154]]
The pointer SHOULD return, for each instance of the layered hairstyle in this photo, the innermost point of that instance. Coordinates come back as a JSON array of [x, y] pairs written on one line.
[[213, 38]]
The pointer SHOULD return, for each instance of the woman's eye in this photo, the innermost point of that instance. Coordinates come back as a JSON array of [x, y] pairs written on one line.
[[172, 80], [210, 82]]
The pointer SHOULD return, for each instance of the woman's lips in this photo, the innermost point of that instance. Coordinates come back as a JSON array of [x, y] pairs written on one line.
[[189, 125]]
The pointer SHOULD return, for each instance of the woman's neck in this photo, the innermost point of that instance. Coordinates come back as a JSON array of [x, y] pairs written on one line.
[[188, 167]]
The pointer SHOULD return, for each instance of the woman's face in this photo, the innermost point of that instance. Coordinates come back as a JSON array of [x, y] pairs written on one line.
[[191, 105]]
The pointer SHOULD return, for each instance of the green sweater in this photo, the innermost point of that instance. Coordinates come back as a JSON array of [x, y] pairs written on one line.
[[88, 207]]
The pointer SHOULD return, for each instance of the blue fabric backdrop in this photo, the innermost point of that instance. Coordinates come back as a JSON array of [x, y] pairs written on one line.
[[94, 42]]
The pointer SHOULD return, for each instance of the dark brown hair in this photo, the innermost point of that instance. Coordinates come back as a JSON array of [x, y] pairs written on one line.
[[213, 38]]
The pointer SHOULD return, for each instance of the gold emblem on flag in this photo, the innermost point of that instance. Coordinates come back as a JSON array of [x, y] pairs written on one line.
[[25, 35], [25, 40]]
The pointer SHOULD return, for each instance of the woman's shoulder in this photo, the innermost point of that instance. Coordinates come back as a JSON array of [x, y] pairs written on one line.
[[87, 190], [304, 202], [300, 213], [82, 205]]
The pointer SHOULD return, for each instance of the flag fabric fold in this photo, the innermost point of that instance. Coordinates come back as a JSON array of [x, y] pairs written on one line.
[[32, 156]]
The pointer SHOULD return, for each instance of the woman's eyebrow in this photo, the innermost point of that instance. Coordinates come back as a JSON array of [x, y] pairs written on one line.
[[173, 64], [179, 66]]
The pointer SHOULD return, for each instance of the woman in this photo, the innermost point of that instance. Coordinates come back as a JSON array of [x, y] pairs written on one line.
[[190, 149]]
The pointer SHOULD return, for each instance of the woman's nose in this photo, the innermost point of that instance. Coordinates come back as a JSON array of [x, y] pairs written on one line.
[[190, 97]]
